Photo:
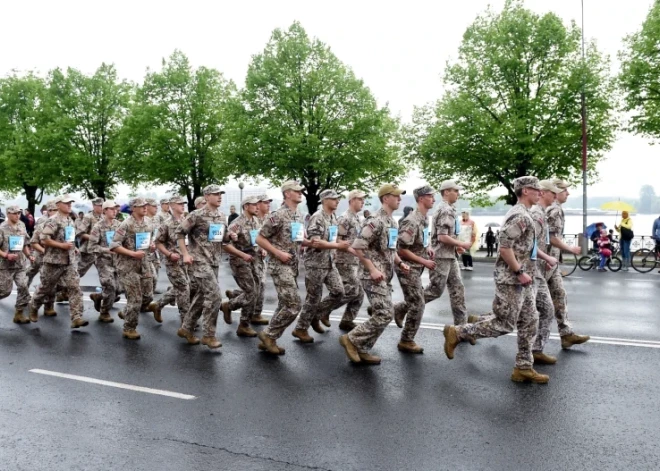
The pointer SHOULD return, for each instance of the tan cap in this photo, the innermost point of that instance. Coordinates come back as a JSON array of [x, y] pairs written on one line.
[[200, 200], [177, 199], [548, 185], [559, 183], [526, 182], [97, 201], [292, 185], [110, 204], [250, 200], [64, 199], [137, 202], [51, 205], [449, 185], [151, 202], [422, 191], [165, 200], [264, 198], [13, 209], [390, 189], [356, 194], [329, 195], [212, 190]]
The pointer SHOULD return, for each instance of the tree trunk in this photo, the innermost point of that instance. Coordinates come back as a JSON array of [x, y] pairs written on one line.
[[190, 198], [313, 201], [33, 198]]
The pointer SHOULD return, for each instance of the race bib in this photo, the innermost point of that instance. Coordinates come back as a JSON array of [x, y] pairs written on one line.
[[69, 234], [332, 234], [392, 237], [297, 232], [253, 237], [457, 226], [534, 251], [425, 237], [16, 243], [109, 235], [142, 240], [216, 232]]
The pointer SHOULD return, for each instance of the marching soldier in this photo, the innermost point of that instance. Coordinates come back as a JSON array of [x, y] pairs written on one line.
[[83, 230], [13, 252], [154, 261]]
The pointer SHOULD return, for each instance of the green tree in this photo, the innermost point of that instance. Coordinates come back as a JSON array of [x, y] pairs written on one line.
[[304, 115], [90, 110], [174, 129], [647, 199], [640, 76], [513, 105], [31, 148]]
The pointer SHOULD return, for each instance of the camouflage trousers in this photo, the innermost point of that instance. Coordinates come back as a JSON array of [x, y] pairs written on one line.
[[259, 303], [180, 289], [108, 280], [558, 294], [514, 307], [206, 299], [249, 277], [7, 280], [412, 307], [546, 312], [53, 275], [35, 267], [353, 292], [365, 335], [154, 265], [314, 306], [85, 263], [139, 293], [447, 274], [285, 279]]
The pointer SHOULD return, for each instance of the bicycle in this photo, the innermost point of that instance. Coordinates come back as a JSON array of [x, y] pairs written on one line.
[[591, 261], [645, 260], [568, 263]]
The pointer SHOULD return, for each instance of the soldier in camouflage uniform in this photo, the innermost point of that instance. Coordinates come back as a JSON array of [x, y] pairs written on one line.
[[177, 272], [376, 249], [206, 229], [281, 235], [555, 218], [154, 261], [83, 229], [132, 242], [413, 246], [99, 242], [320, 268], [60, 263], [348, 265], [200, 202], [514, 304], [13, 253], [247, 265], [39, 250], [446, 227]]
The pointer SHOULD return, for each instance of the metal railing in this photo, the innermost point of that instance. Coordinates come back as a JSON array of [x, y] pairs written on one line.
[[638, 242]]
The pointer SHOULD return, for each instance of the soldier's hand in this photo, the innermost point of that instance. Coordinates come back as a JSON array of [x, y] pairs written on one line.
[[576, 250], [175, 257], [139, 255], [152, 248], [284, 257], [187, 259], [466, 245], [315, 243], [12, 257], [430, 264], [376, 276], [460, 250], [431, 253], [67, 245], [552, 261], [405, 268], [264, 254], [352, 251], [31, 258], [343, 245], [233, 236], [525, 279], [247, 258]]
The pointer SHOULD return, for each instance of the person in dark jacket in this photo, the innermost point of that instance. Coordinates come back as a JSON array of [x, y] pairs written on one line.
[[490, 242]]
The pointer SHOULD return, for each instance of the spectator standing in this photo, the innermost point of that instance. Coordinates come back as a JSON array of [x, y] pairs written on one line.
[[406, 211], [490, 242], [626, 234], [232, 214], [468, 234]]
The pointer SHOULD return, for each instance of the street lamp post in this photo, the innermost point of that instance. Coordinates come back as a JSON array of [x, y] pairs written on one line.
[[241, 185], [584, 140]]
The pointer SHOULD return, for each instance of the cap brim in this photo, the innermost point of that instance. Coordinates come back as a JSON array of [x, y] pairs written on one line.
[[398, 192], [265, 201], [67, 201]]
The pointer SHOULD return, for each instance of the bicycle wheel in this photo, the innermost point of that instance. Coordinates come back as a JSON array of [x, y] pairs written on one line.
[[614, 264], [644, 260], [586, 263], [568, 263]]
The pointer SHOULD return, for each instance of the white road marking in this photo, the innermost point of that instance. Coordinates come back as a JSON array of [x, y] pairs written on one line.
[[634, 279], [112, 384]]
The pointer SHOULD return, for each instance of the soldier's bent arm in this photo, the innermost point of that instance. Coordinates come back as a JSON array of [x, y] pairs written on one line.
[[556, 241], [366, 262], [509, 258], [231, 250], [406, 254], [38, 247], [267, 246]]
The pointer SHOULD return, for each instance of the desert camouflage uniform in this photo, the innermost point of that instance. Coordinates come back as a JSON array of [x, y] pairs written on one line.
[[446, 273], [38, 256], [514, 304], [135, 275], [59, 267], [374, 240], [87, 256], [177, 272], [204, 269], [14, 271], [555, 218], [414, 236], [106, 261], [319, 270], [248, 275], [277, 229]]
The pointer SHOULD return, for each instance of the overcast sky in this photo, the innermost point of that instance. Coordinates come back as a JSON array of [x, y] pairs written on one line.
[[399, 49]]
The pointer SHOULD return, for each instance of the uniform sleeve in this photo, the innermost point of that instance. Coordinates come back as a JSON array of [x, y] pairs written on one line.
[[49, 230], [444, 222], [186, 225], [120, 236], [370, 232], [513, 228], [84, 225], [163, 234], [554, 221], [272, 225], [316, 228], [94, 239], [407, 233], [343, 226]]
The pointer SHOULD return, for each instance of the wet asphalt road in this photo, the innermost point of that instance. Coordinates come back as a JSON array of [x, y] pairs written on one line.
[[312, 409]]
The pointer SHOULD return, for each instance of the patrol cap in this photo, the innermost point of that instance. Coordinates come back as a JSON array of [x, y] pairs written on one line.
[[292, 185], [526, 182], [199, 199], [51, 205], [264, 198], [177, 200], [64, 199], [110, 204], [559, 183], [137, 202], [548, 185], [13, 209], [390, 189], [212, 190], [449, 185], [151, 202], [356, 194], [165, 200], [250, 200], [97, 201], [329, 195], [422, 191]]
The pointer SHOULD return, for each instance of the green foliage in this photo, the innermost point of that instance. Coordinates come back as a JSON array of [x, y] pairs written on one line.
[[173, 131], [304, 115], [513, 105], [90, 111], [640, 76]]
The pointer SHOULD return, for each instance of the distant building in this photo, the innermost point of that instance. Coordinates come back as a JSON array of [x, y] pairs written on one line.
[[232, 196]]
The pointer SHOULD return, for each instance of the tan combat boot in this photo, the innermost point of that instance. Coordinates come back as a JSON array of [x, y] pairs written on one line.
[[409, 347], [186, 334], [269, 344], [49, 310], [34, 315], [244, 330], [399, 318], [567, 341], [211, 342], [226, 312], [78, 322], [302, 335], [451, 340], [155, 308], [316, 325], [472, 319], [121, 315], [543, 359], [369, 359], [351, 351], [105, 317], [347, 326], [131, 334], [230, 294], [325, 320], [96, 297], [528, 376], [259, 320], [19, 318], [281, 350]]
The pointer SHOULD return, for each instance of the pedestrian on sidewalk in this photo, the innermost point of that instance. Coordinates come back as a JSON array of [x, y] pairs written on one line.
[[490, 242], [468, 234], [625, 230]]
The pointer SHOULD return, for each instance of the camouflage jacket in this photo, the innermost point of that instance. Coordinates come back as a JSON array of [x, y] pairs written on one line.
[[378, 240], [246, 231], [518, 234], [277, 229], [348, 230], [324, 227], [56, 228], [542, 237], [444, 223], [414, 236], [84, 226], [555, 216], [101, 237], [12, 240], [133, 235], [167, 237], [207, 231]]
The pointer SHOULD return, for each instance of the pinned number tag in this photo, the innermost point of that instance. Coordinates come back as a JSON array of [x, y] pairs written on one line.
[[142, 240], [457, 226], [109, 235], [69, 234], [534, 251], [392, 237], [425, 237], [253, 237], [332, 234], [297, 232], [216, 232], [16, 243]]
